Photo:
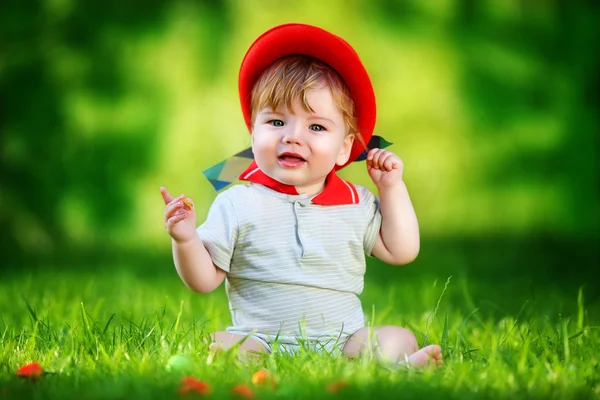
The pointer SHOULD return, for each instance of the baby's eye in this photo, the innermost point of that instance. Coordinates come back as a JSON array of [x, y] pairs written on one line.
[[317, 127], [276, 122]]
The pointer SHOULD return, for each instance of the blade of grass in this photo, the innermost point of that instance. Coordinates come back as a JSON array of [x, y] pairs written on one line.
[[437, 306], [565, 335], [108, 323], [30, 309], [444, 342], [580, 310]]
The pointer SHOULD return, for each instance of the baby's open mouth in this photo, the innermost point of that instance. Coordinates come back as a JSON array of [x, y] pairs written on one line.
[[288, 157], [290, 160]]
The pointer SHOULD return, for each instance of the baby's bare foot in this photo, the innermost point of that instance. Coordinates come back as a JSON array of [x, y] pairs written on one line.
[[428, 355], [215, 347]]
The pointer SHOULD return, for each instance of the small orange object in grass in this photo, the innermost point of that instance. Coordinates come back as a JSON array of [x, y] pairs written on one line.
[[242, 391], [30, 371], [336, 386], [192, 385], [264, 377]]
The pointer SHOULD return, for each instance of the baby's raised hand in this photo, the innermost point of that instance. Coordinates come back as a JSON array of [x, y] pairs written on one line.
[[180, 217], [385, 168]]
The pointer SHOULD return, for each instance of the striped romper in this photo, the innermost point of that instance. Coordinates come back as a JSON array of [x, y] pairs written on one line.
[[294, 268]]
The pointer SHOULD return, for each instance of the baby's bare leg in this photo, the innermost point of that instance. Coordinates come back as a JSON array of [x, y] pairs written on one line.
[[226, 340], [389, 343], [392, 344]]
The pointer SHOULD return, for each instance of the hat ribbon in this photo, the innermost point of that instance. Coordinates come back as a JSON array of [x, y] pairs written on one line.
[[227, 171]]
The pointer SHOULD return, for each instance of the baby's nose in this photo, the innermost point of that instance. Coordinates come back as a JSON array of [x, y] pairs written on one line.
[[292, 135]]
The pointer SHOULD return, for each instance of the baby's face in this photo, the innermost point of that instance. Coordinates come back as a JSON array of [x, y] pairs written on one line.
[[301, 148]]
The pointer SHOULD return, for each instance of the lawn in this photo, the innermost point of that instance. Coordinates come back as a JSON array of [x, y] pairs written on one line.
[[110, 331]]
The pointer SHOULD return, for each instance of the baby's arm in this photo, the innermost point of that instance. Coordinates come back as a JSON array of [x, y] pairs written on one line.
[[195, 267], [192, 261], [398, 241]]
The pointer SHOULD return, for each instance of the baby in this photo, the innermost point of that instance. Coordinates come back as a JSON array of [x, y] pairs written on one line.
[[291, 243]]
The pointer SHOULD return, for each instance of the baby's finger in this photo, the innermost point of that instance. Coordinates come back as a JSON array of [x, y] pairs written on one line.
[[166, 195], [176, 218], [372, 157], [173, 207], [371, 153], [390, 162], [378, 158], [177, 200]]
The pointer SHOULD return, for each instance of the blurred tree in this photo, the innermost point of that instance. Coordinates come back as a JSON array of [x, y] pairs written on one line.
[[531, 79], [57, 58], [78, 131]]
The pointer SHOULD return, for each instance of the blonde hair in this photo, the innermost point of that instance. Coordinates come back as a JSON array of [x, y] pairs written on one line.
[[289, 78]]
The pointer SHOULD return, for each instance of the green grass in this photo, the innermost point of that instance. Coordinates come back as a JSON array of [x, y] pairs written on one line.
[[110, 333]]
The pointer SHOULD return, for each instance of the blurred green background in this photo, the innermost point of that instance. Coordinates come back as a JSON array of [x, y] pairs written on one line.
[[493, 106]]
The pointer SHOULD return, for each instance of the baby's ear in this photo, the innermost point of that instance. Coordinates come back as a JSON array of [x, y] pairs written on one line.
[[346, 150]]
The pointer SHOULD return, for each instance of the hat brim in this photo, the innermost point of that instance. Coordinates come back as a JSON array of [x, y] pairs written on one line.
[[300, 39]]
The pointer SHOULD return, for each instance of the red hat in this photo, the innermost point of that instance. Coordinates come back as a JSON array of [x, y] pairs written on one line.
[[300, 39]]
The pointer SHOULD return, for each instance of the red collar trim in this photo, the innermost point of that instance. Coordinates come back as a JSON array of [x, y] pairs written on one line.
[[336, 191]]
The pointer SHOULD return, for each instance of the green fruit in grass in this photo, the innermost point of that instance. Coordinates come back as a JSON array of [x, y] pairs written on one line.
[[180, 363]]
